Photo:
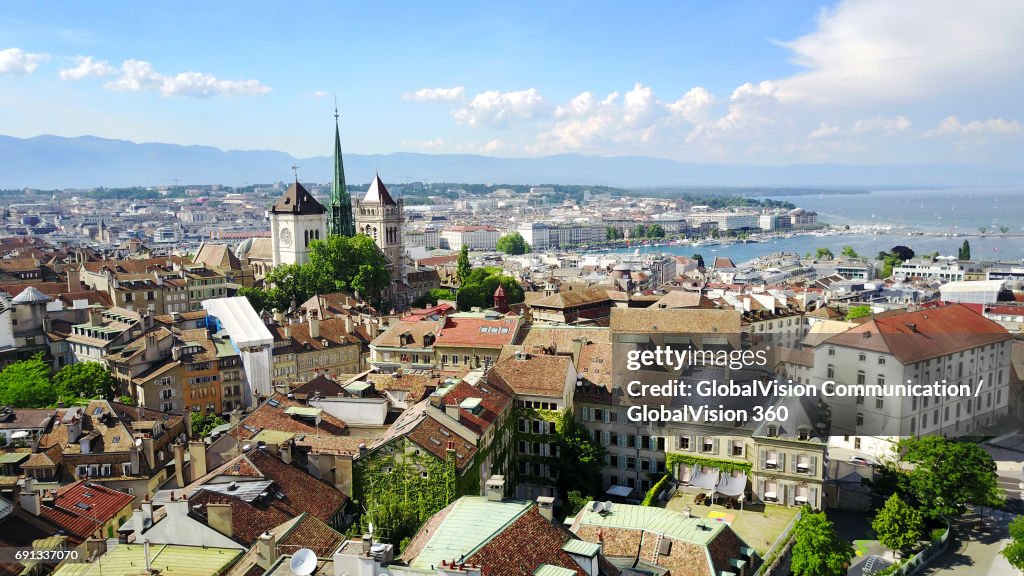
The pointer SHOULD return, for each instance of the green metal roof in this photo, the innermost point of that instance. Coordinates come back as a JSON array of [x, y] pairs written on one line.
[[303, 411], [581, 548], [471, 522], [13, 457], [357, 387], [657, 520], [275, 437], [167, 559], [470, 403], [552, 570]]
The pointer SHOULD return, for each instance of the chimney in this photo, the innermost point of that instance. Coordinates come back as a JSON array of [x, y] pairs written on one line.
[[373, 326], [288, 331], [133, 458], [30, 499], [149, 451], [266, 550], [179, 464], [47, 323], [138, 524], [145, 553], [367, 544], [349, 328], [197, 459], [452, 410], [235, 417], [285, 451], [74, 279], [175, 353], [218, 516], [546, 507], [74, 428], [496, 488], [314, 326], [95, 318]]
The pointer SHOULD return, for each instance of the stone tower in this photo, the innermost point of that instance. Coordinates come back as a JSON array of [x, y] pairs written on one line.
[[296, 219], [381, 217]]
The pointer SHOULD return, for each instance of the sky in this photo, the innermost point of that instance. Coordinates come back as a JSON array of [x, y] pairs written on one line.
[[784, 82]]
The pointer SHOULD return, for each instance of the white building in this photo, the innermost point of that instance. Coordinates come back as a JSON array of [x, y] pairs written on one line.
[[476, 237], [943, 268], [951, 343], [296, 219], [236, 317], [972, 292]]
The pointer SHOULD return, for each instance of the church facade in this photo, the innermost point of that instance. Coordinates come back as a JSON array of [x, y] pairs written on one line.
[[296, 219]]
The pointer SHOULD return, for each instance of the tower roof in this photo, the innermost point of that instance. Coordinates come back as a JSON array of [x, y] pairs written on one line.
[[500, 291], [31, 295], [378, 193], [297, 200]]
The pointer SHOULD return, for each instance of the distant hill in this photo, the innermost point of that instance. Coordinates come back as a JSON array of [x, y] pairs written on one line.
[[88, 161]]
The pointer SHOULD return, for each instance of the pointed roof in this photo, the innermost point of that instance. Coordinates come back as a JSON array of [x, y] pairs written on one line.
[[297, 200], [31, 295], [378, 193]]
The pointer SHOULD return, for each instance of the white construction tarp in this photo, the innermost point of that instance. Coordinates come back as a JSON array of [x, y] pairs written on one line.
[[702, 479], [731, 485]]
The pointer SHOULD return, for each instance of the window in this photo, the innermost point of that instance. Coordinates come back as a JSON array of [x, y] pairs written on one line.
[[630, 463], [881, 361], [860, 377], [831, 351], [913, 425], [860, 400], [708, 445], [684, 442], [737, 448], [862, 357], [831, 372], [878, 403], [860, 418]]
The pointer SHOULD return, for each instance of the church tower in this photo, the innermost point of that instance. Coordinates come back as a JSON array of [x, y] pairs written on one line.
[[381, 217], [296, 219], [340, 221]]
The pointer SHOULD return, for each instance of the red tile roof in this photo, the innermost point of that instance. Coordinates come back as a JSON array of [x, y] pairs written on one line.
[[82, 508], [493, 403], [523, 546], [478, 332]]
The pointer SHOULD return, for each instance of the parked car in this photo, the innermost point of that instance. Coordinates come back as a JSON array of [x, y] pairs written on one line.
[[860, 461]]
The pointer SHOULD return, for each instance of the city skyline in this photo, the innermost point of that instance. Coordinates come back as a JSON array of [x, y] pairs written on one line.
[[847, 82]]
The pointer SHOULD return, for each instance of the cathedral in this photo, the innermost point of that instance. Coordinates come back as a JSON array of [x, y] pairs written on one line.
[[296, 219]]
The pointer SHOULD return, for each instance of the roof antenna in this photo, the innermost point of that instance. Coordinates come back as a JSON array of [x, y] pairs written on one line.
[[295, 170]]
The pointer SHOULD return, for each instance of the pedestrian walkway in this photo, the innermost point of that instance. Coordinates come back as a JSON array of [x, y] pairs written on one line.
[[976, 551]]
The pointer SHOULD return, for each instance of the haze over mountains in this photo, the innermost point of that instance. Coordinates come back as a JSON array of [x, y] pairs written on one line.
[[87, 161]]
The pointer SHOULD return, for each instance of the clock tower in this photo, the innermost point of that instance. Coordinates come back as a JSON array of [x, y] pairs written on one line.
[[296, 219]]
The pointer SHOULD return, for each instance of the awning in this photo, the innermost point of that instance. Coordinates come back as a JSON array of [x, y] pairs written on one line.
[[732, 485], [801, 498], [770, 495], [701, 479]]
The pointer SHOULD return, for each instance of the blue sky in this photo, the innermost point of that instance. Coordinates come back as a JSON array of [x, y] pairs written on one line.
[[727, 82]]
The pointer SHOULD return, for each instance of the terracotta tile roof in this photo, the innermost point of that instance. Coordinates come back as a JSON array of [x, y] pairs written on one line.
[[297, 200], [28, 418], [542, 375], [135, 266], [435, 437], [572, 298], [331, 330], [682, 299], [81, 508], [478, 332], [525, 544], [247, 521], [617, 543], [916, 336], [416, 386], [687, 321], [270, 415], [52, 456], [560, 338], [493, 403], [414, 332], [595, 364]]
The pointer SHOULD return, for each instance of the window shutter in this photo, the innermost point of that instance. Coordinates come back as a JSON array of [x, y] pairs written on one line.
[[586, 414], [764, 458], [715, 446], [782, 461], [606, 437], [607, 415], [814, 497], [760, 489], [814, 466], [698, 443]]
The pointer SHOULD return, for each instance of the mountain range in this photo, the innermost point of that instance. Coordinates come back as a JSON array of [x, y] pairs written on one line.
[[54, 162]]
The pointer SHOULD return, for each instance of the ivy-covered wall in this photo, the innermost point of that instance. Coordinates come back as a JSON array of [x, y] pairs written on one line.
[[673, 459], [529, 414]]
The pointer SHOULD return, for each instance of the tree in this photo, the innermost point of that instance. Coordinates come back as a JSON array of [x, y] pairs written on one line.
[[480, 286], [982, 229], [946, 476], [202, 424], [577, 501], [513, 244], [85, 380], [858, 312], [699, 258], [824, 254], [640, 231], [1004, 229], [1014, 552], [902, 252], [817, 549], [849, 252], [26, 384], [898, 525], [580, 459], [655, 231], [965, 251], [347, 264], [463, 267]]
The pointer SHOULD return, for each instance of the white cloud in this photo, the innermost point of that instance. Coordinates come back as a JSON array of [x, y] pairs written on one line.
[[824, 130], [952, 126], [493, 146], [17, 61], [86, 67], [436, 94], [319, 94], [694, 106], [496, 109], [424, 144], [881, 124], [138, 75], [879, 50]]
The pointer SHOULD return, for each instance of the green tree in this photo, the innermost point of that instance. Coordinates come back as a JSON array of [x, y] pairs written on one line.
[[824, 254], [347, 264], [1014, 552], [202, 424], [26, 384], [580, 459], [463, 267], [965, 251], [85, 380], [902, 252], [699, 258], [655, 231], [640, 231], [946, 476], [577, 500], [849, 252], [1004, 229], [817, 549], [482, 283], [898, 525], [858, 312], [513, 244], [982, 229]]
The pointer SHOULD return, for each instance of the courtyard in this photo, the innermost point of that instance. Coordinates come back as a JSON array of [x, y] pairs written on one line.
[[758, 524]]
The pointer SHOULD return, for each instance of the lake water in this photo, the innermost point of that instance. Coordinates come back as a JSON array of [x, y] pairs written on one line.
[[959, 211]]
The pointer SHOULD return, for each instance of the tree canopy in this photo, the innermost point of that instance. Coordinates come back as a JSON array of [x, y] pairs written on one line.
[[85, 380], [463, 267], [1014, 552], [902, 252], [481, 283], [824, 254], [858, 312], [817, 549], [965, 251], [202, 424], [849, 252], [580, 459], [513, 244], [26, 384], [947, 476], [898, 525]]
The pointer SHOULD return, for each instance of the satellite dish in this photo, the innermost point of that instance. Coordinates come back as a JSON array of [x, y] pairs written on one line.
[[303, 562], [595, 506], [608, 506]]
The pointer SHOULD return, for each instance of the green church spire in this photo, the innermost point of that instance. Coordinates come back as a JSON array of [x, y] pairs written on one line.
[[340, 222]]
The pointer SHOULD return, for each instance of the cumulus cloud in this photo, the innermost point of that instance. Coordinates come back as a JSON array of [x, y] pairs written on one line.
[[319, 94], [425, 144], [952, 126], [881, 124], [86, 67], [496, 109], [824, 130], [493, 146], [875, 49], [694, 106], [18, 62], [139, 75], [436, 94]]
